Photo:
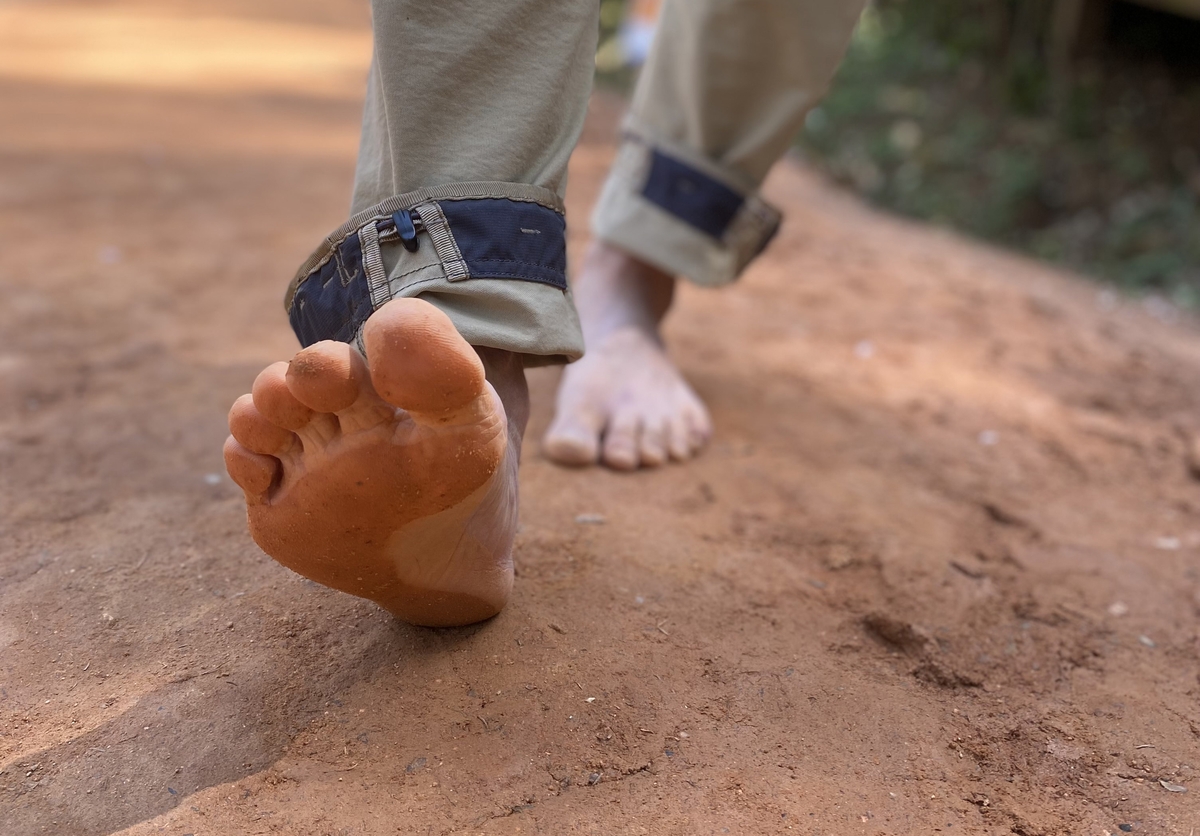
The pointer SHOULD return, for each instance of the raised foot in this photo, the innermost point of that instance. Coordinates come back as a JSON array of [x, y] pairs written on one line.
[[394, 479]]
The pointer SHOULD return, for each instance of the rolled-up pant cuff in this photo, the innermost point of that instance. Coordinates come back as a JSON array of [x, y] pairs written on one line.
[[492, 256], [684, 214]]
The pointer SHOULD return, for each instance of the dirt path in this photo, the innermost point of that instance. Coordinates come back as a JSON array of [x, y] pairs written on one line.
[[938, 572]]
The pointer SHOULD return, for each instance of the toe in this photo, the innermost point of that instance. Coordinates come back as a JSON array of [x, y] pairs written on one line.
[[679, 442], [572, 445], [275, 401], [621, 449], [328, 376], [574, 435], [419, 362], [252, 472], [653, 444], [699, 426], [256, 433]]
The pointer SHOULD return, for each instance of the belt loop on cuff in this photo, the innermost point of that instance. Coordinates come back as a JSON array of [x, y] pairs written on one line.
[[377, 280], [444, 245]]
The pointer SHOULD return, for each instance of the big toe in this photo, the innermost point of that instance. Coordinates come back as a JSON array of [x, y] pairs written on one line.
[[419, 362], [573, 439]]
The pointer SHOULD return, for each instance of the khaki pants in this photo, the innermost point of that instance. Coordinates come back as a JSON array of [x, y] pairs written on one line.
[[472, 111]]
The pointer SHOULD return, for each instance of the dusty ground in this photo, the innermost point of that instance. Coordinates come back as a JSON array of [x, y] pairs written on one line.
[[937, 573]]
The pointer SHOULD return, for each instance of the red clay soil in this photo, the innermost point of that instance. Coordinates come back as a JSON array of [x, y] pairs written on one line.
[[938, 571]]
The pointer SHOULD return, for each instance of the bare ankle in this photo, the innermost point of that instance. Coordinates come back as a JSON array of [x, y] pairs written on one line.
[[505, 370], [616, 290]]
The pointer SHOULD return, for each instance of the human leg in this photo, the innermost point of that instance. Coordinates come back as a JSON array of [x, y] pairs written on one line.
[[382, 459], [724, 91]]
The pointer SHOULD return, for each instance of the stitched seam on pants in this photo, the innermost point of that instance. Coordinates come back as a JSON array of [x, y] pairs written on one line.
[[344, 276], [421, 282], [525, 276], [505, 279], [397, 277], [512, 261]]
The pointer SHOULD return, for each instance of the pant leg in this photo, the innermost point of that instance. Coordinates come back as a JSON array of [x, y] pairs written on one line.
[[721, 97], [472, 111]]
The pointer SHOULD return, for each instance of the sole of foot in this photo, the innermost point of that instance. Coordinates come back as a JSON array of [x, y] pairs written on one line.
[[391, 477]]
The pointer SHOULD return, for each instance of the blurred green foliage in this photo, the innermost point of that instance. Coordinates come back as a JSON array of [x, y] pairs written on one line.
[[960, 112], [612, 70]]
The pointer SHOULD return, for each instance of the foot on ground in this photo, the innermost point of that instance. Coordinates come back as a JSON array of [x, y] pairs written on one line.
[[625, 403], [394, 479]]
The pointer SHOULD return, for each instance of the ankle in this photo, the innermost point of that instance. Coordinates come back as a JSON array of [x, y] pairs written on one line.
[[617, 290], [505, 370]]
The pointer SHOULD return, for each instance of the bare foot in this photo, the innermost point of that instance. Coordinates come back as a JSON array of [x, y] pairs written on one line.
[[393, 478], [625, 402]]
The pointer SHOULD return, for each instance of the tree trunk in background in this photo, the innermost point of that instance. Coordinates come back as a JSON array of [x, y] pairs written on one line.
[[1065, 22]]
